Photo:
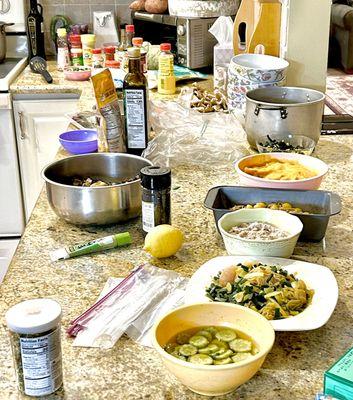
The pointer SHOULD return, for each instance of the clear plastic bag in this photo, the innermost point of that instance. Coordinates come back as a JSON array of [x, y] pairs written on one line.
[[138, 299], [185, 136]]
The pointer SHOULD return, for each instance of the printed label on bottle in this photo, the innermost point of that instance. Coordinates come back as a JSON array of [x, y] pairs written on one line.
[[147, 216], [135, 118], [41, 363]]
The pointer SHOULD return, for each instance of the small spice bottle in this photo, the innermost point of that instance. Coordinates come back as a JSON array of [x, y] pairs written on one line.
[[156, 182], [109, 53], [88, 42], [137, 42], [97, 58], [34, 327], [76, 50], [112, 64]]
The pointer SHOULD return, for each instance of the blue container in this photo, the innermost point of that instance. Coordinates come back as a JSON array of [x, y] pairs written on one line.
[[80, 141]]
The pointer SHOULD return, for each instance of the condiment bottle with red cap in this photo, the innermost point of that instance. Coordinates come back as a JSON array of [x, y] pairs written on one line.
[[129, 34], [137, 42], [166, 77], [97, 58]]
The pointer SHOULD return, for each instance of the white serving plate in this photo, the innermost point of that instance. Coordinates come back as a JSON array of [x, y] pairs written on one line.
[[316, 277]]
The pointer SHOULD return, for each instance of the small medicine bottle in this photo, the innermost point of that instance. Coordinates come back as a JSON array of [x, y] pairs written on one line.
[[156, 182], [34, 327]]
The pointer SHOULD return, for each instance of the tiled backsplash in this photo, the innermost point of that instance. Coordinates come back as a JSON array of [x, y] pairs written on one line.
[[81, 11]]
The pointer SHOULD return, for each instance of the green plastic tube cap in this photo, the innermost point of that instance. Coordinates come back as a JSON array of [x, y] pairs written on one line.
[[123, 239]]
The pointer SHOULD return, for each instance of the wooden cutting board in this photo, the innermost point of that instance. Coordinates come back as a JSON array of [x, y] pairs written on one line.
[[267, 32], [263, 25]]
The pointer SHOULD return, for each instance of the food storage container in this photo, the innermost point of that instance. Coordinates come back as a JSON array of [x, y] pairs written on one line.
[[320, 204], [279, 110]]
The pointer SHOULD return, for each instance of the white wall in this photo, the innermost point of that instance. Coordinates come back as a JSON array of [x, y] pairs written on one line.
[[306, 44]]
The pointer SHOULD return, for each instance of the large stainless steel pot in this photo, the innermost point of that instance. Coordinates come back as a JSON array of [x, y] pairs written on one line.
[[95, 205], [3, 25], [281, 110]]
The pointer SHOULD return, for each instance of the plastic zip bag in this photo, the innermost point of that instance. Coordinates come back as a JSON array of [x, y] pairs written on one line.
[[142, 294], [185, 136]]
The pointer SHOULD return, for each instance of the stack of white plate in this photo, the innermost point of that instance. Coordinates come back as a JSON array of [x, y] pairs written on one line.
[[252, 71]]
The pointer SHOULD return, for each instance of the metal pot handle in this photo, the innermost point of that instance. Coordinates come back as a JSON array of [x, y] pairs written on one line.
[[282, 110]]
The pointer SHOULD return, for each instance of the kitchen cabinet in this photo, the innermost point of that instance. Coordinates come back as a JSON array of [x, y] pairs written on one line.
[[38, 124]]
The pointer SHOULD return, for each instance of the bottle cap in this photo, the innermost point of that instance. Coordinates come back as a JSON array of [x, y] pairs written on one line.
[[33, 316], [137, 41], [134, 52], [112, 64], [61, 32], [88, 38], [123, 239], [155, 177], [109, 50], [165, 46], [97, 51], [75, 39], [130, 28]]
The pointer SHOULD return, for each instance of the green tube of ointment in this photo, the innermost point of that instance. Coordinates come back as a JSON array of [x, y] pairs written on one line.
[[108, 242]]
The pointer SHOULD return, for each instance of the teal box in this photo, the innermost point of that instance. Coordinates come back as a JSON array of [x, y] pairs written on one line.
[[338, 381]]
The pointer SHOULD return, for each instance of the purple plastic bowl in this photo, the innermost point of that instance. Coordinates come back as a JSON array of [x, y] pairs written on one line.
[[80, 141]]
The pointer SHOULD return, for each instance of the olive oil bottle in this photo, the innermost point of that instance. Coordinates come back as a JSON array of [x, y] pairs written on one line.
[[135, 90]]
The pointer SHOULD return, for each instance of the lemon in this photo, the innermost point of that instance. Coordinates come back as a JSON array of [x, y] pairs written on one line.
[[163, 241]]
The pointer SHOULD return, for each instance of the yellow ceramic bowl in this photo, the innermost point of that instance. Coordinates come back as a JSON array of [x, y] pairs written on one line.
[[214, 380]]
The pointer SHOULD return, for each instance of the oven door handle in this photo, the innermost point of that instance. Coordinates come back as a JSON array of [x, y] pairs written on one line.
[[23, 134]]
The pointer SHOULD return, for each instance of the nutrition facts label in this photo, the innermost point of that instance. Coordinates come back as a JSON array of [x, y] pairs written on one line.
[[41, 362], [135, 118]]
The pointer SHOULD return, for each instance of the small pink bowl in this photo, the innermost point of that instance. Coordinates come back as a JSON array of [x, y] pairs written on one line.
[[312, 163], [82, 75]]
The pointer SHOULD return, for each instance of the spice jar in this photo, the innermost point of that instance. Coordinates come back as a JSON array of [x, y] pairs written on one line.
[[34, 327], [88, 41], [97, 58], [112, 64], [76, 50], [109, 53], [156, 182]]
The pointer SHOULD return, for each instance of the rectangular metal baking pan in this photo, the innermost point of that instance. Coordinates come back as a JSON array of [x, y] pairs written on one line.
[[319, 203]]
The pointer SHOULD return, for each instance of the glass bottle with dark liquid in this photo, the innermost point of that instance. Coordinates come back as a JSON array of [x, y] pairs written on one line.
[[35, 30], [135, 89]]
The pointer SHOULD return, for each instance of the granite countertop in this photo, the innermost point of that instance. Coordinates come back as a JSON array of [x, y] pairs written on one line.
[[294, 368]]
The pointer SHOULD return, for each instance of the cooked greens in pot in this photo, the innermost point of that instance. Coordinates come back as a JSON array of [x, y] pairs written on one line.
[[267, 289]]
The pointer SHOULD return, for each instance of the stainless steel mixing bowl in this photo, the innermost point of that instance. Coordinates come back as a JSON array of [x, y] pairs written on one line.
[[95, 205]]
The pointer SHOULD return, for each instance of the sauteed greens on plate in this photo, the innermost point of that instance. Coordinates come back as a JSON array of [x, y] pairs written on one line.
[[267, 289]]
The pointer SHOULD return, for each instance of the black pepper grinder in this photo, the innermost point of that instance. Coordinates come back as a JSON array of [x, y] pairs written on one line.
[[156, 182]]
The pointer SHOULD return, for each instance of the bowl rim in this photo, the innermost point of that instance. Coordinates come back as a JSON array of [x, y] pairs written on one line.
[[266, 211], [79, 141], [235, 58], [259, 355], [325, 168], [47, 180]]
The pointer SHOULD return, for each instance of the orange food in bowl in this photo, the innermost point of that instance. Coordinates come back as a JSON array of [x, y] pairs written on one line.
[[282, 170]]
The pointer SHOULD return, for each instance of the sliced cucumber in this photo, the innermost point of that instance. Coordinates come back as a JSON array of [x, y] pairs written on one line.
[[202, 359], [224, 355], [226, 334], [187, 350], [240, 357], [240, 345], [199, 341], [224, 361], [211, 348]]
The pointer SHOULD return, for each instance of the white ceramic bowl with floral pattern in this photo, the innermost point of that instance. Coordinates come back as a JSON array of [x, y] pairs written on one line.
[[283, 247], [258, 67]]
